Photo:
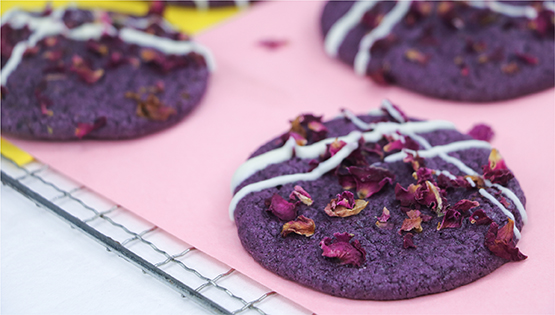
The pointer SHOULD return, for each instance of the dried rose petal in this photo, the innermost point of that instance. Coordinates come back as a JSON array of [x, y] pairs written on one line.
[[373, 148], [301, 194], [413, 222], [348, 253], [481, 132], [496, 171], [407, 197], [510, 68], [477, 180], [345, 205], [300, 140], [451, 219], [415, 160], [385, 215], [428, 194], [302, 226], [371, 19], [309, 127], [273, 44], [84, 71], [96, 47], [156, 8], [333, 148], [282, 209], [423, 175], [152, 108], [84, 129], [500, 242], [403, 142], [445, 182], [416, 56], [527, 58], [407, 241], [382, 75], [53, 55], [464, 206], [479, 217], [370, 179]]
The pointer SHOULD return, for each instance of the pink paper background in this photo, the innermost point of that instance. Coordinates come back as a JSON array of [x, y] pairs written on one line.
[[179, 179]]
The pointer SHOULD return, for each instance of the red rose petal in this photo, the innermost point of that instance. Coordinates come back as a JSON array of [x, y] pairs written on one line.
[[348, 253]]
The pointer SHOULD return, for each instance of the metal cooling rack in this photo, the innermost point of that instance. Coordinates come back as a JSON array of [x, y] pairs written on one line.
[[193, 274]]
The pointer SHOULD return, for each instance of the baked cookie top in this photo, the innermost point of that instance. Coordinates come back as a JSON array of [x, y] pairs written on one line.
[[378, 206], [468, 51], [70, 73]]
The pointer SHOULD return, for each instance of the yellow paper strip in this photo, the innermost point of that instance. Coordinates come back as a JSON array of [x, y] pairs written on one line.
[[14, 153]]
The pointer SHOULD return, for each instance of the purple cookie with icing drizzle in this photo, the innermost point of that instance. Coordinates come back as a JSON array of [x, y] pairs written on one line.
[[378, 206], [475, 51], [70, 74]]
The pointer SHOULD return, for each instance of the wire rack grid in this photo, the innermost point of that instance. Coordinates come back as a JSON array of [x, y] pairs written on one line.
[[190, 272]]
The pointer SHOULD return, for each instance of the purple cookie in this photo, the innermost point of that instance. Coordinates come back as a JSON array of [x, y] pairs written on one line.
[[475, 51], [70, 74], [378, 206]]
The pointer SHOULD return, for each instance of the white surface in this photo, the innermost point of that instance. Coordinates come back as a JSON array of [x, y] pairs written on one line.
[[49, 268]]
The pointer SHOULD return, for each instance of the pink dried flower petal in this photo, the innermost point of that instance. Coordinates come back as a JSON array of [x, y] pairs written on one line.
[[302, 195], [403, 142], [429, 195], [385, 215], [500, 242], [527, 58], [464, 206], [302, 226], [370, 179], [496, 171], [273, 44], [416, 56], [348, 253], [451, 219], [481, 132], [345, 205], [407, 241], [415, 160], [157, 8], [282, 209], [382, 220], [84, 129], [407, 197], [479, 217], [423, 175], [413, 222]]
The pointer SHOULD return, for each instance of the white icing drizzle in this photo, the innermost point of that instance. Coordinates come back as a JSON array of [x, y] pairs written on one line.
[[509, 193], [439, 149], [165, 45], [506, 9], [260, 162], [52, 25], [508, 213], [314, 150], [388, 22], [316, 173], [387, 106], [340, 29], [356, 121]]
